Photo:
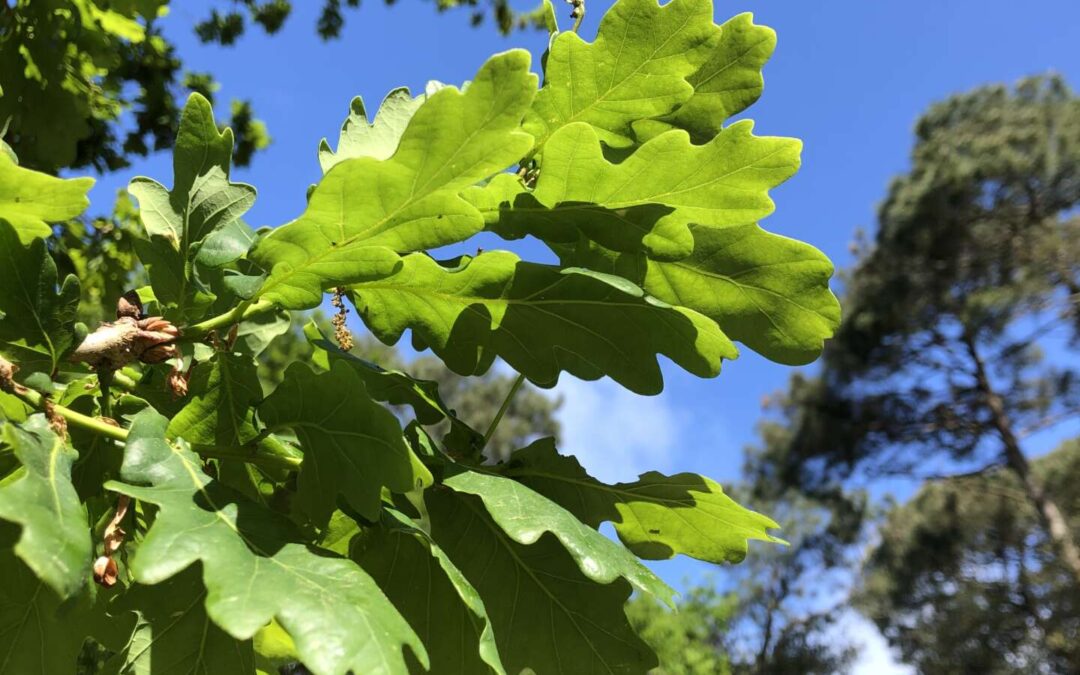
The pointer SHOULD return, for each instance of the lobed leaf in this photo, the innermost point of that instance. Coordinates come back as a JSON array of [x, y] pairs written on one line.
[[30, 200], [255, 566], [55, 540], [430, 591], [364, 209], [767, 291], [219, 410], [636, 68], [726, 84], [352, 445], [656, 516], [37, 322], [173, 634], [541, 320], [647, 201], [380, 138], [547, 611]]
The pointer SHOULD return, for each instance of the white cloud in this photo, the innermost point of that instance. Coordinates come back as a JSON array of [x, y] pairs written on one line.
[[875, 656], [614, 433]]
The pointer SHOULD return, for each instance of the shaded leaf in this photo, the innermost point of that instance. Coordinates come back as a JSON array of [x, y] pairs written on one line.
[[365, 209], [55, 540], [432, 594], [545, 612], [173, 634], [352, 445], [219, 410], [30, 200], [37, 327], [255, 566], [541, 320], [656, 516]]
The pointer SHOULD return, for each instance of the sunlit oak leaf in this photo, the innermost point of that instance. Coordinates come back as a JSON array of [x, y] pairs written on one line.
[[255, 565], [55, 540], [656, 516], [541, 320], [31, 200], [636, 68], [767, 291], [378, 138], [725, 85], [364, 210]]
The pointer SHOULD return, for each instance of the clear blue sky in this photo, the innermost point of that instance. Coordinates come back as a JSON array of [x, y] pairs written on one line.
[[849, 77]]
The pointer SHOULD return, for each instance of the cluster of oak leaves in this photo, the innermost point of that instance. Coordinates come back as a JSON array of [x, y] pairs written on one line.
[[236, 531]]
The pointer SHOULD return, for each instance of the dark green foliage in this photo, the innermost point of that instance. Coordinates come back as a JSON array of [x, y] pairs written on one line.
[[965, 579]]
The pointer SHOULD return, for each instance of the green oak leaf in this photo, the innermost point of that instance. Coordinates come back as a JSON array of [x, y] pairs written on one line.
[[219, 410], [380, 138], [365, 209], [549, 611], [40, 633], [524, 515], [202, 201], [352, 445], [173, 634], [727, 83], [30, 200], [55, 541], [635, 69], [256, 566], [767, 291], [37, 322], [656, 516], [430, 591], [647, 201], [382, 384], [541, 320]]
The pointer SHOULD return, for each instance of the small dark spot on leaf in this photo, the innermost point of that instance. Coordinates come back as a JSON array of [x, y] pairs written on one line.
[[654, 531]]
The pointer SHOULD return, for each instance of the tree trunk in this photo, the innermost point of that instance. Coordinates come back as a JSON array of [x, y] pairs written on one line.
[[1051, 517]]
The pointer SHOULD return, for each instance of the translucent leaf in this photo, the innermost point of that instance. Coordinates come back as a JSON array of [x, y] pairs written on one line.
[[769, 292], [37, 322], [541, 320], [430, 591], [378, 139], [647, 201], [656, 516], [352, 445], [55, 541], [173, 634], [255, 565], [550, 611], [725, 85], [637, 68], [365, 209], [30, 200]]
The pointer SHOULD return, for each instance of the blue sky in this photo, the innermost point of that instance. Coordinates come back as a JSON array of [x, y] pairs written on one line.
[[849, 77]]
